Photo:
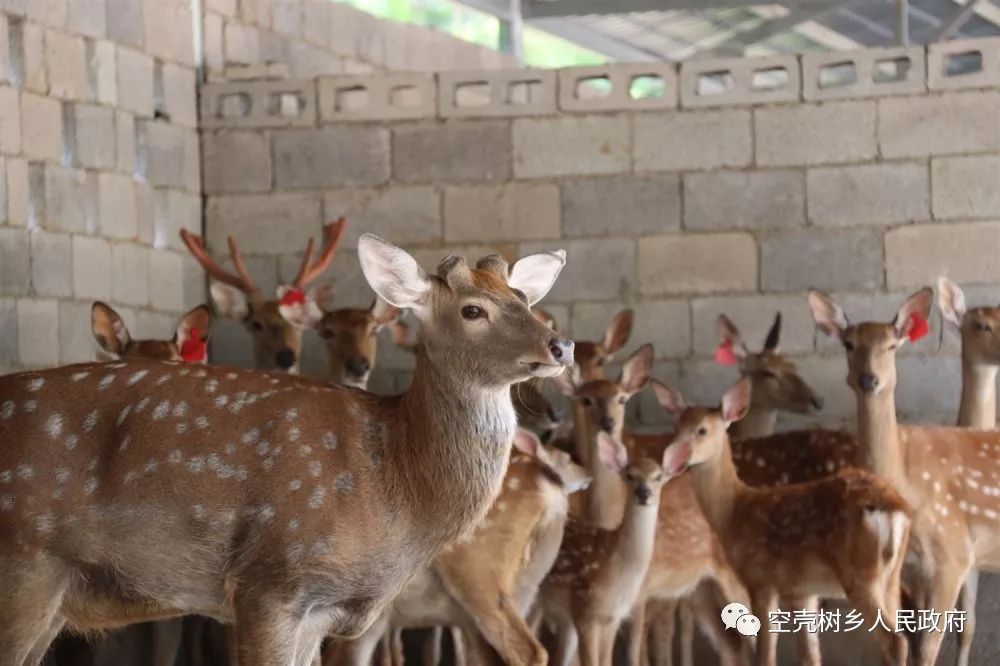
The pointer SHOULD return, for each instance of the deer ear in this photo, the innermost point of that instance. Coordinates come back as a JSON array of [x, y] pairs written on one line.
[[676, 457], [635, 372], [535, 274], [232, 302], [393, 274], [736, 401], [911, 319], [109, 329], [670, 399], [618, 331], [611, 452], [383, 313], [773, 341], [826, 313], [322, 294], [951, 300], [298, 307], [527, 442], [731, 348], [193, 332]]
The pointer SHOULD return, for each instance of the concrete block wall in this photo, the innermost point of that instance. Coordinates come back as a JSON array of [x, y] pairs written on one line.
[[99, 169], [704, 200]]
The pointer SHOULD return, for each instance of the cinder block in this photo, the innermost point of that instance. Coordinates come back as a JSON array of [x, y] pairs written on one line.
[[582, 88], [236, 161], [174, 211], [124, 19], [224, 7], [702, 140], [87, 18], [815, 133], [76, 341], [863, 73], [731, 81], [18, 191], [571, 145], [15, 268], [596, 269], [38, 332], [389, 96], [41, 127], [928, 389], [192, 160], [230, 344], [840, 259], [215, 58], [693, 264], [744, 199], [259, 104], [264, 224], [160, 153], [330, 157], [10, 121], [145, 215], [241, 42], [95, 136], [67, 65], [309, 62], [91, 268], [664, 323], [316, 23], [960, 122], [51, 264], [102, 72], [166, 280], [130, 275], [621, 205], [70, 200], [179, 96], [753, 315], [940, 56], [965, 252], [124, 142], [287, 18], [8, 331], [966, 186], [154, 325], [869, 194], [501, 212], [407, 215], [36, 77], [479, 151], [135, 82], [507, 93], [117, 201], [169, 32], [193, 287]]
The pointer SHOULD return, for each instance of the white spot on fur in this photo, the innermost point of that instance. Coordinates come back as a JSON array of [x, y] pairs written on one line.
[[126, 440], [36, 384], [151, 466], [293, 524], [317, 498], [251, 436], [45, 523], [137, 377], [141, 405], [201, 422], [221, 400], [122, 415], [263, 448], [161, 410], [162, 380], [79, 376], [329, 440], [231, 375], [129, 476], [196, 464], [294, 484], [175, 457], [6, 476], [107, 381], [62, 475], [7, 410], [315, 468], [266, 513], [182, 427], [180, 410], [90, 486], [344, 483], [305, 449], [514, 483], [30, 406], [72, 441], [230, 448], [294, 433], [292, 414], [54, 425], [6, 503], [212, 385], [199, 511]]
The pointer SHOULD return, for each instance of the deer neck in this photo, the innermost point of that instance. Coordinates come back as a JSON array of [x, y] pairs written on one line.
[[582, 433], [878, 434], [717, 485], [637, 534], [978, 408], [454, 450], [759, 422], [606, 496]]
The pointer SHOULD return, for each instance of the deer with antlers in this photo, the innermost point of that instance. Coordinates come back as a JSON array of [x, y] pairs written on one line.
[[275, 325], [142, 490], [949, 475], [844, 534]]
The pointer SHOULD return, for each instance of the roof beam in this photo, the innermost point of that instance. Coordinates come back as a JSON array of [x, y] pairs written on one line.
[[739, 42], [958, 18], [594, 40], [558, 8], [902, 22]]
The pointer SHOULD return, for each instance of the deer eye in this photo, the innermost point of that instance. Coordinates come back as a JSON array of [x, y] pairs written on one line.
[[622, 400], [981, 327], [848, 345], [326, 334], [257, 326], [471, 312], [702, 431], [587, 402]]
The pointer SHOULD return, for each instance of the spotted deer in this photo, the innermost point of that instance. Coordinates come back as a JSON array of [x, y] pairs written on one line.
[[351, 339], [189, 342], [598, 573], [275, 325], [487, 583], [140, 490], [948, 474], [845, 534]]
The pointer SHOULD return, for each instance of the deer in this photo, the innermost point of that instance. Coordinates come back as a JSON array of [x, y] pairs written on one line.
[[351, 339], [946, 473], [487, 583], [598, 573], [275, 325], [189, 342], [139, 490], [843, 534]]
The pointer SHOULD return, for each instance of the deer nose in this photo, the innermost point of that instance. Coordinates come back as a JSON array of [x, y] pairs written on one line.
[[868, 382], [607, 424], [817, 403], [357, 367], [561, 350], [642, 493], [555, 415], [285, 358]]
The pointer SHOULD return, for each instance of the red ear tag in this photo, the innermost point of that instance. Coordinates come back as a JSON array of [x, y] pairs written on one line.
[[918, 327], [294, 297], [194, 349], [724, 354]]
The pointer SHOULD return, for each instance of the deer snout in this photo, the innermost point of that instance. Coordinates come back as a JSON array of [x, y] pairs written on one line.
[[868, 382], [285, 358], [607, 424], [642, 494], [357, 367], [817, 403], [561, 351]]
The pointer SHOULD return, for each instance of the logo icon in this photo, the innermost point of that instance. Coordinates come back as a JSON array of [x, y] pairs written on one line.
[[748, 625], [732, 613]]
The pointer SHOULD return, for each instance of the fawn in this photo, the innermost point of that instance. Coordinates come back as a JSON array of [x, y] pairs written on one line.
[[141, 490], [351, 338], [275, 326], [843, 534], [189, 344]]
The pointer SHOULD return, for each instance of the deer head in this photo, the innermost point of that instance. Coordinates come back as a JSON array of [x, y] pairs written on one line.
[[276, 325], [351, 338], [572, 477], [776, 381], [871, 347], [188, 344], [605, 400], [700, 434], [591, 356], [644, 477], [979, 327]]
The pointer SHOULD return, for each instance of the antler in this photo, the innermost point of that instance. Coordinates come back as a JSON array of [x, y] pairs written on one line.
[[241, 281], [333, 233]]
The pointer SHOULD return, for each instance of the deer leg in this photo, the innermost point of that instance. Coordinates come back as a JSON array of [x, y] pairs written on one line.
[[167, 635], [361, 650], [661, 637], [31, 594], [637, 634], [396, 648], [807, 641], [506, 631], [458, 644], [431, 649], [41, 646], [590, 644], [608, 634], [729, 644], [870, 602], [686, 616], [762, 602], [967, 602], [567, 642], [942, 595]]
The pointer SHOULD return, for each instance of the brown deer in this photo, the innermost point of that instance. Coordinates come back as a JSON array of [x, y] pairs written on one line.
[[598, 574], [140, 490], [845, 533], [275, 325], [487, 583], [351, 339], [189, 343], [947, 474]]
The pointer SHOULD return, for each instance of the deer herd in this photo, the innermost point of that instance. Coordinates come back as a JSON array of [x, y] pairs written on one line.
[[318, 521]]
